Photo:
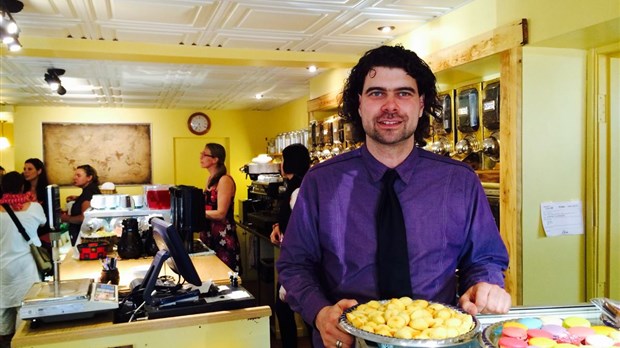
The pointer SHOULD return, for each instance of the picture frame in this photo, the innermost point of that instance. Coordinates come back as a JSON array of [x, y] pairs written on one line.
[[119, 152]]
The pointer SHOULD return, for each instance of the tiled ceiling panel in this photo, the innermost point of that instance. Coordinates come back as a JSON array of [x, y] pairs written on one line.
[[149, 69]]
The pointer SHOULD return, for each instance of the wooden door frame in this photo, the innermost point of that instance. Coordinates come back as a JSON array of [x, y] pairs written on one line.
[[602, 198]]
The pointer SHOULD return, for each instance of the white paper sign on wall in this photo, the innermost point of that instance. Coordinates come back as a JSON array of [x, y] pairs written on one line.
[[562, 218]]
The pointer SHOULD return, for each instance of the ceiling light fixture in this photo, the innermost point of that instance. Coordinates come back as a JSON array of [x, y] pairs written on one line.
[[4, 141], [386, 28], [9, 31], [312, 68], [259, 96], [53, 80]]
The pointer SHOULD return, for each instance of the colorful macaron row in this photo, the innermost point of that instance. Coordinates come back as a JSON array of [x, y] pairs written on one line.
[[548, 332]]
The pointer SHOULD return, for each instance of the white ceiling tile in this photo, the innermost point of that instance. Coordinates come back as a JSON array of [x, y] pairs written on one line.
[[344, 27]]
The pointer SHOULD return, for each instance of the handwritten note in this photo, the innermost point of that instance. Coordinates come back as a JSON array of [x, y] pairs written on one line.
[[562, 218]]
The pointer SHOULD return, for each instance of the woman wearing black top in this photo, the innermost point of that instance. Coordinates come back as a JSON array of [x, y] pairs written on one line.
[[295, 164], [85, 177]]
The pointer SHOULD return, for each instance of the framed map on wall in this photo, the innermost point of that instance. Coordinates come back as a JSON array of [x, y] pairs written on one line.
[[121, 153]]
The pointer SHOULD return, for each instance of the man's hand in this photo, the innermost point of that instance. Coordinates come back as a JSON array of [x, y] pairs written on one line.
[[485, 298], [327, 323]]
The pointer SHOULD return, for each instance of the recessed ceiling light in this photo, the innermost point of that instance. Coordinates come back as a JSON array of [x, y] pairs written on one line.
[[386, 28], [312, 68], [259, 96]]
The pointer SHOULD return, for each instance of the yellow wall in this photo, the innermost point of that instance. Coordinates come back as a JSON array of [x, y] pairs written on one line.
[[329, 81], [553, 169], [246, 131]]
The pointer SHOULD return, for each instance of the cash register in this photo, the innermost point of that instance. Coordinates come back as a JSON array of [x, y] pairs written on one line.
[[161, 300]]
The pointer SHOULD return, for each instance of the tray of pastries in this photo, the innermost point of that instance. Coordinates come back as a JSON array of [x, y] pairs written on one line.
[[404, 322], [549, 331]]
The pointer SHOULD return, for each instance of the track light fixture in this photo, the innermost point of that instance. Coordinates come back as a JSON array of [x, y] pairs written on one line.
[[52, 78], [9, 31]]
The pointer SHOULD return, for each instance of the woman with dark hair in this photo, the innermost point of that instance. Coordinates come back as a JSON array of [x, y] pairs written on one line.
[[36, 183], [86, 178], [295, 164], [18, 270], [36, 178], [219, 207]]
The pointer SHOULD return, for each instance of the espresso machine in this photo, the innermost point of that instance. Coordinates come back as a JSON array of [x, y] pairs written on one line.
[[260, 210]]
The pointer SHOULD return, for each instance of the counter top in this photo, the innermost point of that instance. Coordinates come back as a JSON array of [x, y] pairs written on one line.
[[188, 330], [101, 326], [207, 266]]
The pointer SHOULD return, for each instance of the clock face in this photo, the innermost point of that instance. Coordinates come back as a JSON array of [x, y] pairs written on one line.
[[199, 123]]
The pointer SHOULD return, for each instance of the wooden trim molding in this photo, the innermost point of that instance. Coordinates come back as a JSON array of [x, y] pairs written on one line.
[[493, 42], [325, 102], [511, 72]]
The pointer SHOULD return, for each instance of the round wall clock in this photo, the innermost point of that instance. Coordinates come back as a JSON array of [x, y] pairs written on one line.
[[199, 123]]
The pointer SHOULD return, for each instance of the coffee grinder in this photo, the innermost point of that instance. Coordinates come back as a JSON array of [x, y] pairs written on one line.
[[468, 129], [442, 126], [490, 123]]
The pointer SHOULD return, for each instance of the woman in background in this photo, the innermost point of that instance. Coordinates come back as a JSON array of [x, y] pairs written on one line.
[[219, 207], [295, 164], [86, 178], [18, 271], [36, 183]]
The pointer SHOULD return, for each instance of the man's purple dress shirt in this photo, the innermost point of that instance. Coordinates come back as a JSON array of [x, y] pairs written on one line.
[[329, 252]]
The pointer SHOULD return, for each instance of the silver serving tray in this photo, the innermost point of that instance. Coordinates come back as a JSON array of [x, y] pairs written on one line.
[[490, 336], [386, 342]]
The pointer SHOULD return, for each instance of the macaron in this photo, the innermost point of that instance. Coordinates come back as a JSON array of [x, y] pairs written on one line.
[[599, 341], [515, 324], [557, 331], [516, 332], [531, 323], [581, 332], [575, 321], [551, 320], [541, 342], [511, 342], [603, 330], [565, 345], [532, 333]]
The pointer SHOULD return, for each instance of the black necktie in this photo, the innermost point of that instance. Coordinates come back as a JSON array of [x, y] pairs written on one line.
[[392, 254]]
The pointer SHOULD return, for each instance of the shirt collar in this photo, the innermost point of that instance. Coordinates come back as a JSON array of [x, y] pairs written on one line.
[[376, 169]]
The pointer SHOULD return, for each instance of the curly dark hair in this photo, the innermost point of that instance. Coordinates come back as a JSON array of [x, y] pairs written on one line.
[[390, 57]]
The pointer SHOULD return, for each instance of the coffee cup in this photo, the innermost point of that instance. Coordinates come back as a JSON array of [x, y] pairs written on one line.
[[138, 201], [97, 202], [125, 201], [111, 201]]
